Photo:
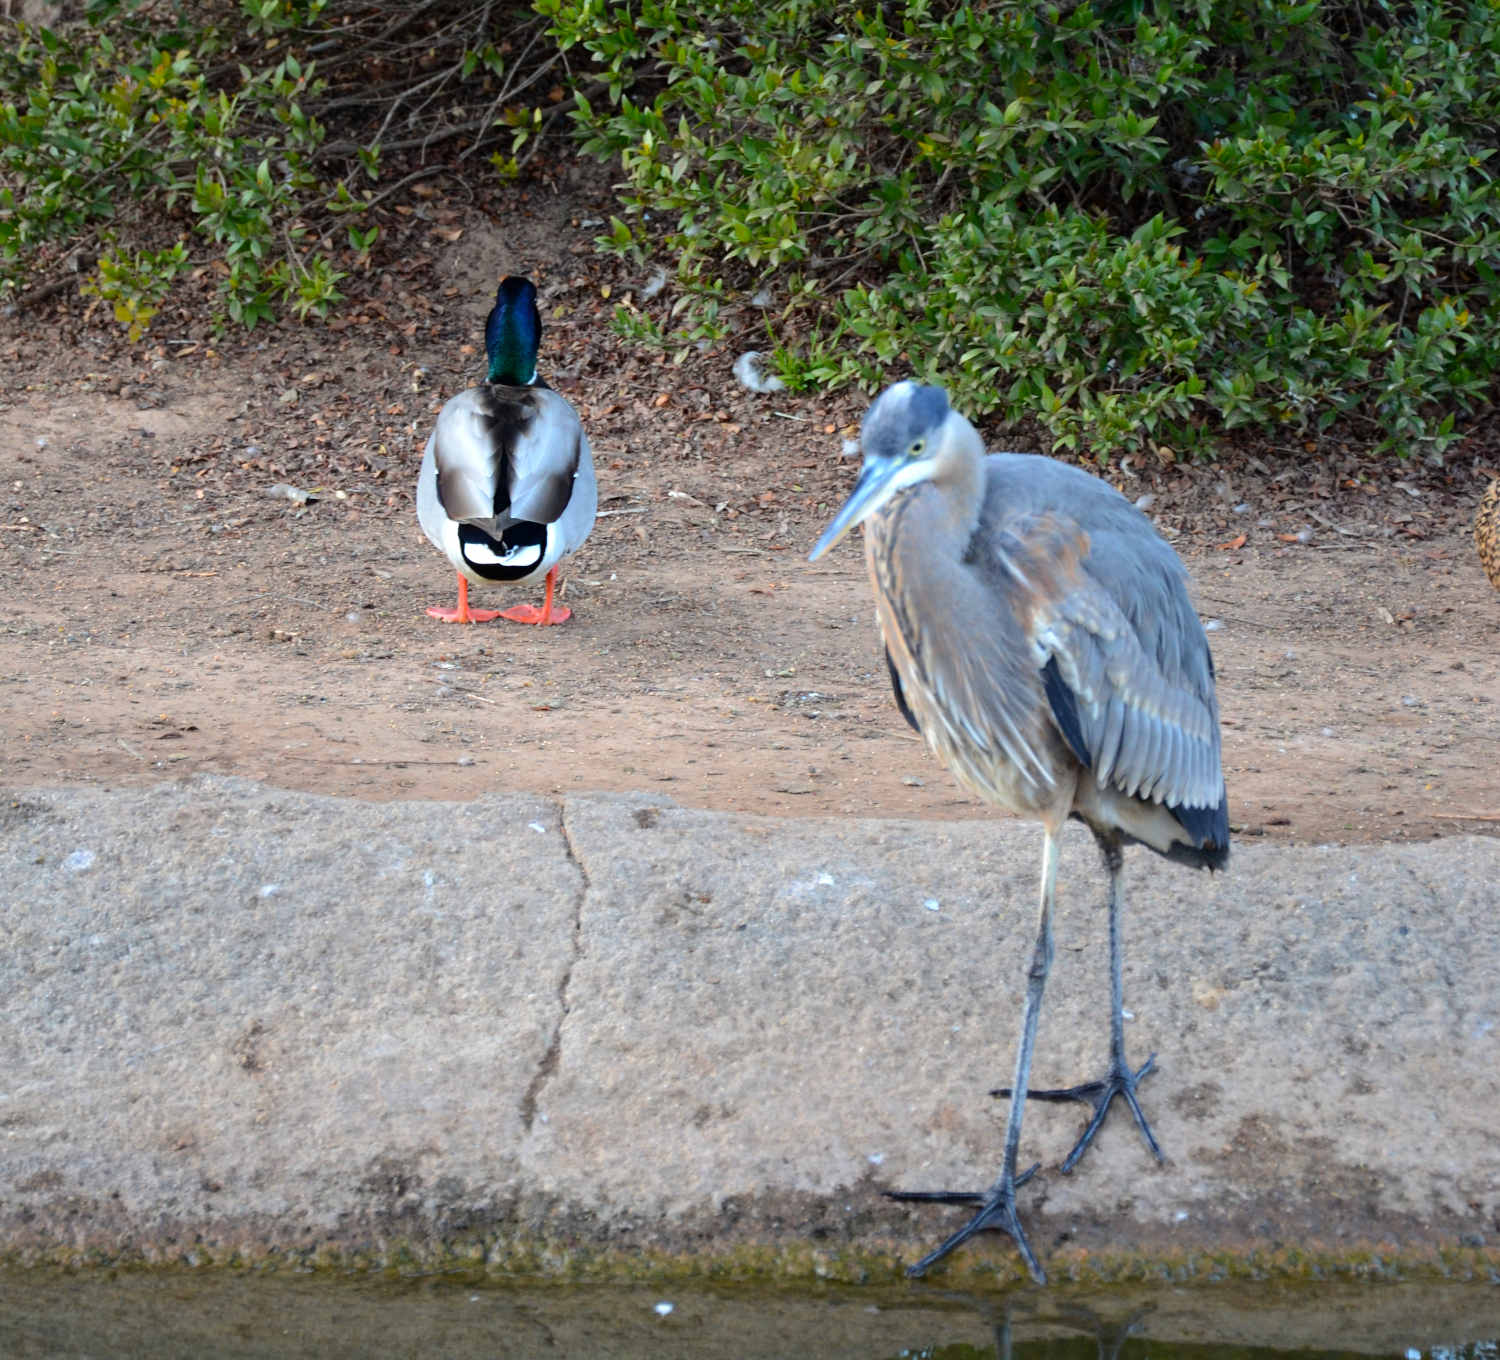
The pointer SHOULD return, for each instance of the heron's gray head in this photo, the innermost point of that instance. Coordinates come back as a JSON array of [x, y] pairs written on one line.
[[905, 436]]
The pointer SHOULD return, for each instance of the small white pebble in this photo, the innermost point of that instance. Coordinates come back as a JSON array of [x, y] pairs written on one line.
[[352, 616], [1145, 502], [825, 880], [875, 1158], [269, 890], [663, 1308], [932, 904], [911, 781], [850, 448], [41, 442], [466, 760], [1128, 1015], [538, 828], [1180, 1216], [1212, 625], [78, 861], [1328, 731], [1410, 700]]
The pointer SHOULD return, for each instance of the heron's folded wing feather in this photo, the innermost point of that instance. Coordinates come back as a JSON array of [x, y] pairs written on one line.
[[1110, 611]]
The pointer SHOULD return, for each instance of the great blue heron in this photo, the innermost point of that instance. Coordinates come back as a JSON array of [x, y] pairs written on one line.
[[507, 482], [1039, 636]]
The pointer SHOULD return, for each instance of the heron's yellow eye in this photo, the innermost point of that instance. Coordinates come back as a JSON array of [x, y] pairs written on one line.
[[917, 445]]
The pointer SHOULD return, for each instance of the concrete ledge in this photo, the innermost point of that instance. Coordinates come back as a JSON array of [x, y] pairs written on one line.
[[572, 1036]]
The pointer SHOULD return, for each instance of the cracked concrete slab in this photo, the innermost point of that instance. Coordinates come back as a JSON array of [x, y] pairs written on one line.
[[517, 1029], [229, 1004]]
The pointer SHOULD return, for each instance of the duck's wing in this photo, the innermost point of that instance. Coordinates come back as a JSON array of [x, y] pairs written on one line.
[[549, 461], [506, 453]]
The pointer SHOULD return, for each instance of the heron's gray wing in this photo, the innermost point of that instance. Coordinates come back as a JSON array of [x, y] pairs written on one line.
[[1102, 601]]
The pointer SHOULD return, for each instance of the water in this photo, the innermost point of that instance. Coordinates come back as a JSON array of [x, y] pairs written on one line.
[[164, 1314]]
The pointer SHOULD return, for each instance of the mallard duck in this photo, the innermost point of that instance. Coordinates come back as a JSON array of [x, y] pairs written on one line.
[[1487, 533], [507, 483]]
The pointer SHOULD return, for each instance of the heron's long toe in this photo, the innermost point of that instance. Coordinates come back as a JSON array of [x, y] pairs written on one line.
[[997, 1213], [1118, 1081]]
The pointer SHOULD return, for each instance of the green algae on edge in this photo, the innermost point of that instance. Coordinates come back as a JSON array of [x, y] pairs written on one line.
[[991, 1265]]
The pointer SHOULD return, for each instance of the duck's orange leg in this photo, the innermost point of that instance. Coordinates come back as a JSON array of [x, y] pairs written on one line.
[[529, 613], [463, 614]]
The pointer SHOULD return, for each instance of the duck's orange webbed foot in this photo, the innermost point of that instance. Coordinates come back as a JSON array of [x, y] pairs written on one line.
[[463, 614], [529, 613]]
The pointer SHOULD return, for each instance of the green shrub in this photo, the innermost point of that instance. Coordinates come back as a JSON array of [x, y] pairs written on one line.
[[1132, 221], [114, 120], [151, 136]]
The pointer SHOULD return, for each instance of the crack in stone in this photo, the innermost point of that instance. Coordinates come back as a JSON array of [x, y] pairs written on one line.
[[550, 1058]]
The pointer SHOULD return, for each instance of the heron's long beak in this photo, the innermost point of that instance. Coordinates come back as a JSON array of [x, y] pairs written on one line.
[[876, 484]]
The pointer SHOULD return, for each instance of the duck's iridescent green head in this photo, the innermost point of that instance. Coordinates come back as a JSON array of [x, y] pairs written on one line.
[[512, 333]]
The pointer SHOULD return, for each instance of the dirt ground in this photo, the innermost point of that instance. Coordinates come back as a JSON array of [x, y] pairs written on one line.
[[165, 611]]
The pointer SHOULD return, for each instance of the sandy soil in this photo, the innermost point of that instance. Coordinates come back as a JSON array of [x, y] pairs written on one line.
[[163, 612]]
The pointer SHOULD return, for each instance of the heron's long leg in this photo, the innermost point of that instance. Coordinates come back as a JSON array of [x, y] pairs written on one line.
[[1121, 1079], [997, 1205]]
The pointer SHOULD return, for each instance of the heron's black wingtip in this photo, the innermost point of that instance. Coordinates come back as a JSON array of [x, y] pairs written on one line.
[[1209, 829]]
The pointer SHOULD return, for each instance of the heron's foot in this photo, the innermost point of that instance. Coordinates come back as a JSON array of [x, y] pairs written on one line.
[[1118, 1081], [996, 1213]]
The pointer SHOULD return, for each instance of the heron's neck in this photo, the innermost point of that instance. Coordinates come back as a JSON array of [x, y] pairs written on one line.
[[956, 496], [917, 532]]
